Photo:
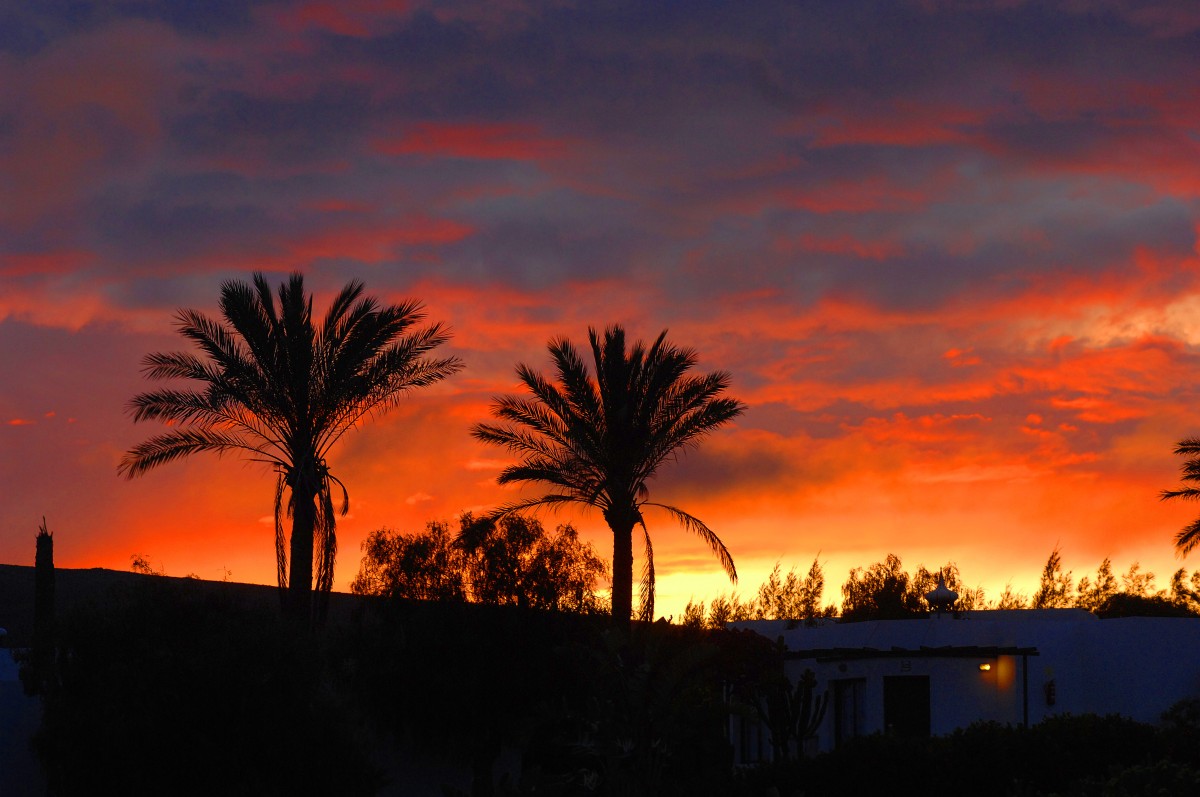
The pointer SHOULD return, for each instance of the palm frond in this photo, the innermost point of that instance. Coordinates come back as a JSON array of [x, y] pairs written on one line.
[[340, 307], [647, 591], [1186, 493], [697, 527], [281, 552], [324, 539], [179, 365], [516, 440], [1188, 538], [176, 444], [540, 419], [580, 396], [552, 500], [210, 410]]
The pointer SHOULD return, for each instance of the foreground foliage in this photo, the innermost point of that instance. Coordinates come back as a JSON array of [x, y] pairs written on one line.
[[165, 690], [1065, 756], [175, 688]]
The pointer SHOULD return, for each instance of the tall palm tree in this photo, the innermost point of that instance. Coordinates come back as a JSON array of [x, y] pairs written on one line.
[[274, 387], [597, 439], [1189, 536]]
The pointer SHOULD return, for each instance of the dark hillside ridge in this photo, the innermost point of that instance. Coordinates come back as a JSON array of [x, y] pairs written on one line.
[[79, 587]]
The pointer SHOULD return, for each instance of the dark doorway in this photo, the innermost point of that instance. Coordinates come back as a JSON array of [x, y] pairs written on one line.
[[906, 705], [848, 709]]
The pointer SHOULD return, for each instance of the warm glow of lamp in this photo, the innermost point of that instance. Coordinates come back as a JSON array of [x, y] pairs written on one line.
[[985, 667]]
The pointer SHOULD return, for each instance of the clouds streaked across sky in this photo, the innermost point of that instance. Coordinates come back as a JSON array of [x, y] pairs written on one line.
[[947, 250]]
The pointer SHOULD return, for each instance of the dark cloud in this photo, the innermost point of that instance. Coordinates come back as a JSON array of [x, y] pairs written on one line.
[[303, 130]]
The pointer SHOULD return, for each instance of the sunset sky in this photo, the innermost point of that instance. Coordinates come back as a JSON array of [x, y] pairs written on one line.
[[947, 250]]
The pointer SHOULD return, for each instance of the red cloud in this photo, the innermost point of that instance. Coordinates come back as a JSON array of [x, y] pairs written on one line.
[[855, 196], [900, 123], [54, 262], [356, 18], [490, 141]]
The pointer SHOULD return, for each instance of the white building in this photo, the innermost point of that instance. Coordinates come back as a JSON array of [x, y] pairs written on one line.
[[932, 675]]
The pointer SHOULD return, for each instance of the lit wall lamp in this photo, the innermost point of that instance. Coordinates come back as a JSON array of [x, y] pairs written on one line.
[[985, 667]]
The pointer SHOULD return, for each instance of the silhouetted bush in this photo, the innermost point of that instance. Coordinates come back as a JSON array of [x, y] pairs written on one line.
[[1057, 756], [1160, 779], [164, 691], [568, 704]]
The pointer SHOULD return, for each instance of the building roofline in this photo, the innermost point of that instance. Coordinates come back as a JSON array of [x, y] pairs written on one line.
[[922, 652]]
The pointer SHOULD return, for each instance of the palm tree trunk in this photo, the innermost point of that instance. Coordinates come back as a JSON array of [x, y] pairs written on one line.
[[622, 580], [304, 516]]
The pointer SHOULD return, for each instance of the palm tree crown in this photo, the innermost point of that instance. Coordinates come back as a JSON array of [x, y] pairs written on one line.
[[1189, 536], [282, 391], [598, 439]]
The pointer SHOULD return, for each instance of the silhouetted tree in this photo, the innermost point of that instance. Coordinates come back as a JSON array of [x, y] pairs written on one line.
[[281, 390], [1091, 595], [1185, 592], [1010, 599], [426, 566], [140, 563], [881, 592], [693, 615], [1135, 582], [728, 609], [598, 438], [511, 561], [1054, 590], [791, 597], [514, 561]]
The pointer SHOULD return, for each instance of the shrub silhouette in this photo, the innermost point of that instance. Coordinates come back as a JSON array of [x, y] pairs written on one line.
[[164, 691]]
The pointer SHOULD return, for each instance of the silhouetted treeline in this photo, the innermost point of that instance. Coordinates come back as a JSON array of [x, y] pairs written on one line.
[[886, 591]]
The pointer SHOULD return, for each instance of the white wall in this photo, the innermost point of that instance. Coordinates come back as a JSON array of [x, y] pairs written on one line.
[[1136, 666]]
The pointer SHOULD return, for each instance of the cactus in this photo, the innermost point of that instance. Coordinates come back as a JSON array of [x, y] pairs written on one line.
[[43, 611]]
